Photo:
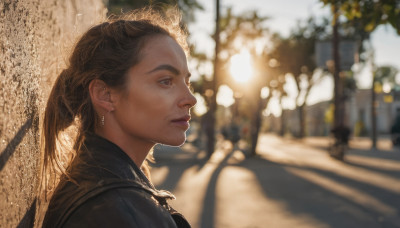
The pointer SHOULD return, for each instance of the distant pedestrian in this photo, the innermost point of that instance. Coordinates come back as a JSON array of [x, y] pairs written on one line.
[[231, 132], [126, 88]]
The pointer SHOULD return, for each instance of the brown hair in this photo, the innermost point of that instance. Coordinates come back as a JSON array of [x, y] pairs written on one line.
[[104, 52]]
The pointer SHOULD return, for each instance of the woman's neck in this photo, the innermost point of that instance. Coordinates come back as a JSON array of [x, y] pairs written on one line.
[[137, 149]]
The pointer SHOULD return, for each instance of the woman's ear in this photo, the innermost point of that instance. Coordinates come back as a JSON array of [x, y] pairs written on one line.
[[100, 95]]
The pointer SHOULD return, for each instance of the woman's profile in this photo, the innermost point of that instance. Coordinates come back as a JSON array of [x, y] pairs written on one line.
[[125, 89]]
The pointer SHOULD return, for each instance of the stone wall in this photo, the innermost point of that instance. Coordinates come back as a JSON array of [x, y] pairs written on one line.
[[35, 36]]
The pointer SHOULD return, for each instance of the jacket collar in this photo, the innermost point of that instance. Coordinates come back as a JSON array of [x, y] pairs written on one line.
[[108, 160]]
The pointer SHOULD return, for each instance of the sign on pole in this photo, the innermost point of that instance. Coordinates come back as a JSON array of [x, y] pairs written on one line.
[[323, 54]]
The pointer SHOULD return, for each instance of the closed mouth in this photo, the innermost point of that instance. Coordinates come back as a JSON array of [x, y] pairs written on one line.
[[185, 118]]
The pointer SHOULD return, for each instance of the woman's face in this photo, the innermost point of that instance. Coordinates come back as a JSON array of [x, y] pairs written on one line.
[[155, 104]]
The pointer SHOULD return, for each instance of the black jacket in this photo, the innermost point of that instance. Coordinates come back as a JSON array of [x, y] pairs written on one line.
[[107, 189]]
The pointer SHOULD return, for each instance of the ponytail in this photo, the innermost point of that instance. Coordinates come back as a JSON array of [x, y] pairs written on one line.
[[58, 116]]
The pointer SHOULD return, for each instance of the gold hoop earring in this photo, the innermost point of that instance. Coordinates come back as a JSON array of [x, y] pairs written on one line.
[[102, 120]]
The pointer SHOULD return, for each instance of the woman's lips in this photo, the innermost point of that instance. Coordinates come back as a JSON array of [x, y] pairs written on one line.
[[182, 122]]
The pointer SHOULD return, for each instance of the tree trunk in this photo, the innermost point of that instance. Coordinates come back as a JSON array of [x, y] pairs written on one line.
[[303, 113], [210, 132], [255, 127], [213, 104], [338, 99], [301, 110], [373, 112], [283, 125], [373, 105]]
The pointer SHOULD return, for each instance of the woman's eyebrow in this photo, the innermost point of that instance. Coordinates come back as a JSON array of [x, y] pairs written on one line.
[[165, 67]]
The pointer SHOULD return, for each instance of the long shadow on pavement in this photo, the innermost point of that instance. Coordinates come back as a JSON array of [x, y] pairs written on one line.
[[207, 219], [175, 166], [302, 196], [395, 173], [383, 156]]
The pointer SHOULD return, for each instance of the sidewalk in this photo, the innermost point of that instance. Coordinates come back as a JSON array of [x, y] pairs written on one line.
[[291, 183]]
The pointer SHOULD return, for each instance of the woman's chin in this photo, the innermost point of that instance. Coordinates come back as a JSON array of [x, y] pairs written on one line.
[[175, 142]]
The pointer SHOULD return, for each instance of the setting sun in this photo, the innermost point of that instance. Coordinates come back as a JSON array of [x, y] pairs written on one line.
[[241, 66]]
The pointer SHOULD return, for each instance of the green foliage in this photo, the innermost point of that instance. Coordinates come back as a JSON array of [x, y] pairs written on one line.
[[371, 12], [386, 75]]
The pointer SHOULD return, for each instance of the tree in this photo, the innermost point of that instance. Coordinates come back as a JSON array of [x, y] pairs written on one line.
[[240, 32], [386, 76], [295, 56]]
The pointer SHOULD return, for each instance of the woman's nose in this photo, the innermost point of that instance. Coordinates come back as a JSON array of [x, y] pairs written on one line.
[[188, 99]]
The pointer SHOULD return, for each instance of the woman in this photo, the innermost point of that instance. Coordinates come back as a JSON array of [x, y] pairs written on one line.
[[126, 88]]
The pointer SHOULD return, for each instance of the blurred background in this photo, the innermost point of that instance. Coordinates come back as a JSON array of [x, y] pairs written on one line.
[[281, 85], [298, 116], [296, 68]]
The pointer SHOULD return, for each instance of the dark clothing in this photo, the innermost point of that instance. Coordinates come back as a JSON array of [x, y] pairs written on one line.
[[107, 189]]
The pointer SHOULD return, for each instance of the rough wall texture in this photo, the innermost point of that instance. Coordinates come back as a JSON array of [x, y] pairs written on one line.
[[34, 35]]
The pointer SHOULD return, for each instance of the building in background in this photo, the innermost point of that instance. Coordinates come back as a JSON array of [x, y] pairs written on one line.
[[358, 116]]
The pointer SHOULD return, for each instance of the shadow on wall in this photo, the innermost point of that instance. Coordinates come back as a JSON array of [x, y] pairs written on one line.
[[29, 217], [12, 145]]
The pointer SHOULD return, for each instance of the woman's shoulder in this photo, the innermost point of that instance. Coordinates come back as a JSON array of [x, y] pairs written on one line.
[[121, 203], [121, 207]]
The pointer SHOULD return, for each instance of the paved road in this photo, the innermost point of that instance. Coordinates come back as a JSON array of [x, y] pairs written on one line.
[[290, 184]]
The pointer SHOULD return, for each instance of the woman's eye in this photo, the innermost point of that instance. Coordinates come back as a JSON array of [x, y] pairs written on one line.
[[167, 82]]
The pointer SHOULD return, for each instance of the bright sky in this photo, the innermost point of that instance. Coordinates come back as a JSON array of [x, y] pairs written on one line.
[[284, 15]]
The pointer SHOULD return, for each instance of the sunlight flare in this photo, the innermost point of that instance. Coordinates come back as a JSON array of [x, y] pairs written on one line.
[[225, 96], [241, 66]]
